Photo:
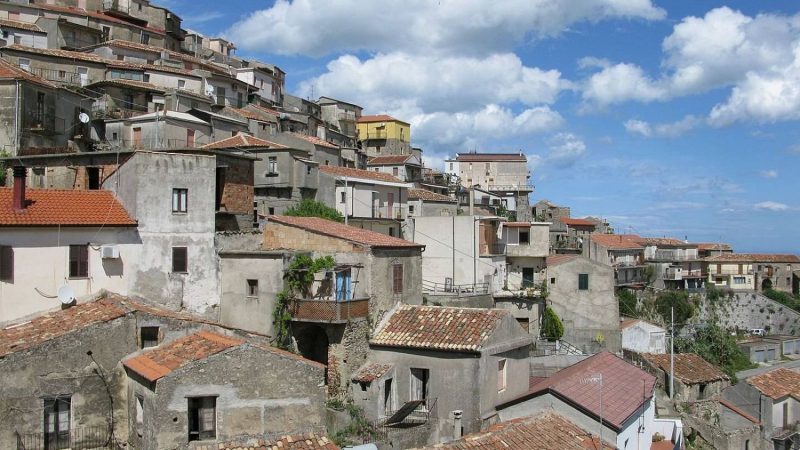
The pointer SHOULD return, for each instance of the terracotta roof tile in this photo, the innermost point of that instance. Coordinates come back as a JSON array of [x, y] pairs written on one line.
[[358, 173], [690, 368], [314, 140], [128, 83], [422, 194], [93, 14], [306, 441], [517, 224], [21, 25], [288, 354], [627, 323], [439, 328], [264, 110], [548, 431], [370, 372], [554, 260], [625, 387], [388, 160], [480, 157], [153, 49], [10, 71], [378, 118], [90, 57], [50, 207], [755, 257], [777, 383], [577, 222], [161, 361], [243, 141], [666, 242], [20, 337], [618, 241], [713, 246], [248, 114], [342, 231]]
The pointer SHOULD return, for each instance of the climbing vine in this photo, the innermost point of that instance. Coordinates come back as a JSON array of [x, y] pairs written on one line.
[[298, 280]]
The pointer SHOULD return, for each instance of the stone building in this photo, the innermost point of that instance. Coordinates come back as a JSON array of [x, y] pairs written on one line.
[[755, 271], [695, 378], [407, 168], [422, 202], [623, 252], [383, 135]]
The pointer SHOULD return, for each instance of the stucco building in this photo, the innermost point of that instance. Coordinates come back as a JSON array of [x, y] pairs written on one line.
[[695, 378], [383, 135]]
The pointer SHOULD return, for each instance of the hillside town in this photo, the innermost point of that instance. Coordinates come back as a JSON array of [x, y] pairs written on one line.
[[193, 258]]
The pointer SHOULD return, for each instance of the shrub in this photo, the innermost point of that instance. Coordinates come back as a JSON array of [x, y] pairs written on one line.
[[627, 303], [313, 208], [552, 328], [684, 309]]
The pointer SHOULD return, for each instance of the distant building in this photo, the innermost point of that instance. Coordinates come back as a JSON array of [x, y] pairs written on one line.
[[384, 135], [623, 252], [695, 378], [755, 271], [422, 202], [642, 337], [675, 263], [405, 167]]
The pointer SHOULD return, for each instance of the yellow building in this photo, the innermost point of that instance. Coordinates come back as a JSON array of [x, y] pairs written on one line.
[[384, 135], [724, 271]]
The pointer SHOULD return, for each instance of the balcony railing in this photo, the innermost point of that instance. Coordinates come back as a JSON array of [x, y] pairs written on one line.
[[420, 415], [347, 116], [713, 271], [307, 310], [493, 249], [510, 187], [101, 111], [155, 144], [627, 263], [117, 6], [73, 43], [395, 212], [375, 135], [84, 438], [447, 288], [42, 122], [60, 76]]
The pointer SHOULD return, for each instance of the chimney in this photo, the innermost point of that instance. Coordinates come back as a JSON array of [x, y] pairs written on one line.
[[457, 424], [18, 200]]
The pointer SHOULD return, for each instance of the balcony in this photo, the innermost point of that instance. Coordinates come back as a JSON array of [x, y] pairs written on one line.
[[376, 135], [673, 274], [347, 116], [101, 111], [627, 263], [122, 9], [531, 250], [42, 122], [732, 271], [522, 187], [84, 438], [394, 212], [329, 311], [492, 249], [60, 76]]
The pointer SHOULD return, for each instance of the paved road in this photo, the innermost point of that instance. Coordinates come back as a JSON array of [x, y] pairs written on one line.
[[763, 369]]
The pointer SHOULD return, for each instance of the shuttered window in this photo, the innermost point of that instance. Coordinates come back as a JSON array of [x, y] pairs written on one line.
[[397, 278], [583, 281], [180, 260], [78, 261], [6, 264], [202, 418]]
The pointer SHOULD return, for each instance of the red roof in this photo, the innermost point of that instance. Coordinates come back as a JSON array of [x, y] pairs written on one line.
[[50, 207], [713, 246], [690, 368], [20, 337], [628, 323], [439, 328], [370, 372], [378, 118], [342, 231], [12, 72], [422, 194], [479, 157], [94, 14], [21, 25], [777, 383], [91, 57], [155, 364], [754, 257], [307, 441], [554, 260], [388, 160], [548, 431], [314, 140], [243, 141], [517, 224], [264, 110], [618, 241], [577, 222], [666, 242], [625, 387], [358, 173]]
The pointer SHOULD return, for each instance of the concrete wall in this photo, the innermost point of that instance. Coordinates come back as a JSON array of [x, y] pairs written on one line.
[[643, 337], [237, 307], [253, 396], [371, 200], [587, 314], [41, 262], [145, 189]]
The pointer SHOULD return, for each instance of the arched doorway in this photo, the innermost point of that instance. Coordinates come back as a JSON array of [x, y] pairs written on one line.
[[312, 342], [766, 284]]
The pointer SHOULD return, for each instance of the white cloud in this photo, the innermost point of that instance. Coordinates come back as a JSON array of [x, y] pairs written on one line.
[[621, 83], [769, 173], [320, 27], [565, 150], [661, 130], [771, 206]]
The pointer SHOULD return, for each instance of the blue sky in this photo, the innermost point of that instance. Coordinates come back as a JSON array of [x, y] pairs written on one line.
[[668, 118]]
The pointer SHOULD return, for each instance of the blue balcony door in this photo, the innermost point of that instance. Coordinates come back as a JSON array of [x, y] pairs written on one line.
[[344, 285]]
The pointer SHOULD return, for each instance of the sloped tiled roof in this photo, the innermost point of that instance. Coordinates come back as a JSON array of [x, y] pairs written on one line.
[[690, 368], [342, 231], [243, 141], [430, 196], [439, 328], [129, 84], [159, 362], [579, 385], [12, 72], [554, 260], [754, 257], [153, 49], [50, 207], [480, 157], [20, 337], [264, 110], [388, 160], [713, 246], [617, 241], [627, 323], [94, 14], [247, 114], [358, 173], [314, 140], [517, 224], [370, 372], [378, 118], [548, 431], [21, 25], [307, 441], [91, 57], [577, 222], [777, 383], [666, 242]]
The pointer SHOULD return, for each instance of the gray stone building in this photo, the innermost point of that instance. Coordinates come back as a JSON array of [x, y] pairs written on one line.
[[695, 378], [422, 202], [623, 252]]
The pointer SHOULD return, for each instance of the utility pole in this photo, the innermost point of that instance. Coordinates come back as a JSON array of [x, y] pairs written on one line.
[[672, 354], [346, 208]]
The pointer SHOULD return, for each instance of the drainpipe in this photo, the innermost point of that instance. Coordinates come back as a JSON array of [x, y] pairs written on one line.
[[457, 424], [16, 121]]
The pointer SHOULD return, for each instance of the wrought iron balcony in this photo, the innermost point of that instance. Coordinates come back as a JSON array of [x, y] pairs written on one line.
[[83, 438]]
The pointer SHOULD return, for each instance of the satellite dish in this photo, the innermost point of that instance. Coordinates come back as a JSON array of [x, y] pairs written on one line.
[[66, 295], [209, 90], [83, 117]]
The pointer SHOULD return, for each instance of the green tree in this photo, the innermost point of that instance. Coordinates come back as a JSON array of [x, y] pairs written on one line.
[[313, 208], [627, 303], [3, 167], [684, 308], [552, 328], [718, 347], [783, 298]]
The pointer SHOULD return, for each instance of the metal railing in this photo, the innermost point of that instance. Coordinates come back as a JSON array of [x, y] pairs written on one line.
[[101, 111], [713, 271], [60, 76], [83, 438], [347, 116], [510, 187], [396, 212], [72, 43], [313, 310], [375, 135], [433, 288], [419, 416], [492, 249], [627, 263], [154, 144], [111, 6], [546, 347], [43, 122]]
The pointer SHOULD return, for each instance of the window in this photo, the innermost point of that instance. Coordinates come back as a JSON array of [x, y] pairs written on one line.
[[179, 260], [78, 261], [739, 280], [145, 38], [308, 170], [181, 84], [388, 403], [148, 337], [411, 209], [190, 137], [93, 176], [252, 288], [501, 375], [139, 414], [25, 64], [342, 197], [220, 95], [146, 78], [57, 422], [419, 383], [202, 418], [524, 237], [6, 264], [397, 278], [180, 200], [272, 165], [583, 281], [391, 231], [395, 171], [552, 281]]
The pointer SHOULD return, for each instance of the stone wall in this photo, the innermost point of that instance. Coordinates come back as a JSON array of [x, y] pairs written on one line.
[[237, 194], [277, 236], [745, 310]]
